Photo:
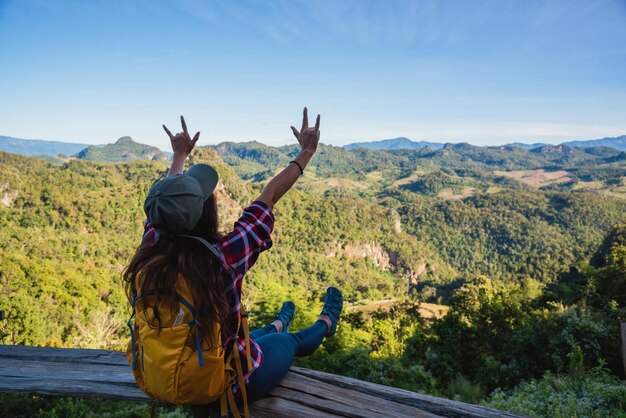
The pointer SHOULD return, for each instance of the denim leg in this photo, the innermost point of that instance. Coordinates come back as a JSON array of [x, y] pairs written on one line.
[[258, 333], [310, 338], [279, 350]]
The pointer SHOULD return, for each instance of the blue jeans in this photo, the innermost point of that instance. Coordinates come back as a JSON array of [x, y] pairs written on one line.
[[279, 350]]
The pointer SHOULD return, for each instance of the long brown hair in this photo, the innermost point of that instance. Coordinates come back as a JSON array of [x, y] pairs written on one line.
[[160, 263]]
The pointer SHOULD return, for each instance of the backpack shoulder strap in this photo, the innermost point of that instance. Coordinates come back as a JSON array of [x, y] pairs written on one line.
[[246, 333], [227, 400], [207, 244]]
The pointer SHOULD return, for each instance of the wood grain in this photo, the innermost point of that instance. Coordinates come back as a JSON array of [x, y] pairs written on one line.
[[271, 407], [439, 406], [302, 393], [368, 404]]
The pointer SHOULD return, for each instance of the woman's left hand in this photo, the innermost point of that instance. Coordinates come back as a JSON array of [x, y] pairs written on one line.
[[182, 143]]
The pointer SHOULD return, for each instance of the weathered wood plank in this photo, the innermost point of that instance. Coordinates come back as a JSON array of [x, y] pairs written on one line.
[[272, 407], [439, 406], [53, 371], [303, 393], [321, 404], [367, 403], [64, 355], [73, 388], [79, 372]]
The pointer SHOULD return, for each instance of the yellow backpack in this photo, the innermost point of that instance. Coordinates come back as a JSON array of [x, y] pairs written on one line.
[[174, 365]]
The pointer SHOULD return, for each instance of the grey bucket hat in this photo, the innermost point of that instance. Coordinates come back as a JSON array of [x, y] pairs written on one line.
[[174, 204]]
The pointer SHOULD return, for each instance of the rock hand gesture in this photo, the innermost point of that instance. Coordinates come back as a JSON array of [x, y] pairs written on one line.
[[308, 138], [182, 145]]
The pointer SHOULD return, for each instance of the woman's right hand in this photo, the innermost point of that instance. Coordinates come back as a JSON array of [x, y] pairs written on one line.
[[308, 138]]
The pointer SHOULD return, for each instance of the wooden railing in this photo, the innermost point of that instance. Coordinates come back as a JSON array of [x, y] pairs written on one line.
[[303, 393]]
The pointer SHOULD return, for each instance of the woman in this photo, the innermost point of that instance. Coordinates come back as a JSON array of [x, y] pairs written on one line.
[[186, 278]]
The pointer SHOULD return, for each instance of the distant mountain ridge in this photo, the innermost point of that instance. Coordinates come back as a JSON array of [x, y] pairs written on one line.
[[123, 150], [527, 146], [618, 143], [126, 149], [33, 147], [394, 143]]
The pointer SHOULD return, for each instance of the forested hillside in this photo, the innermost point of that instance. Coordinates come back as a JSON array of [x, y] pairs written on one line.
[[526, 247], [68, 234], [124, 150], [579, 166], [505, 212]]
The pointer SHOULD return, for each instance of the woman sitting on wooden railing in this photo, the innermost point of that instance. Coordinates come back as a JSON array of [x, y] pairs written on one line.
[[184, 283]]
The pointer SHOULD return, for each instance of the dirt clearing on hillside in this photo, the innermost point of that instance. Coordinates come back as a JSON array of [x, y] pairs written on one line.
[[410, 179], [427, 310], [449, 194], [537, 178]]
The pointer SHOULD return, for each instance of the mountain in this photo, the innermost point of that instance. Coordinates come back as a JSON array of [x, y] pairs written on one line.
[[32, 147], [253, 160], [124, 150], [616, 142], [477, 165], [394, 143], [526, 146], [568, 155]]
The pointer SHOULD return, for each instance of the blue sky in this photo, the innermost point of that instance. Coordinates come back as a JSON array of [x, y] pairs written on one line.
[[485, 72]]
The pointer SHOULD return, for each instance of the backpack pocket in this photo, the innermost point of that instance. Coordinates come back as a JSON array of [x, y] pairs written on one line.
[[161, 352], [201, 384]]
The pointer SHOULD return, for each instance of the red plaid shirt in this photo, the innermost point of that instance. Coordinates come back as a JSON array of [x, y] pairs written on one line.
[[239, 251]]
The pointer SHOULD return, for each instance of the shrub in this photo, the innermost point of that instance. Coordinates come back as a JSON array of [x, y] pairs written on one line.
[[595, 394]]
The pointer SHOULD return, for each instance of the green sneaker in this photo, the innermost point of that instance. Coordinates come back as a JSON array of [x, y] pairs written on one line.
[[333, 304], [286, 315]]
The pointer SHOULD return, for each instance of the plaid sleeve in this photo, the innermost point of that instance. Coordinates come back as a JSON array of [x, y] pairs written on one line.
[[250, 236]]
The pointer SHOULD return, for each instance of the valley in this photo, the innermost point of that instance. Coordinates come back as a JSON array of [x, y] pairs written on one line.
[[494, 250]]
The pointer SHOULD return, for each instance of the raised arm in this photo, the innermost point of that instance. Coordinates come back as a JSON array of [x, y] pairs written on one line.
[[182, 144], [308, 139]]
